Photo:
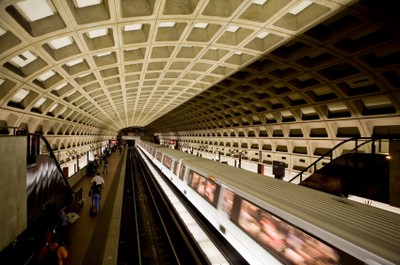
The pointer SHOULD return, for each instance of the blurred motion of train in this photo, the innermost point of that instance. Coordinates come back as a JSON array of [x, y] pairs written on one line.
[[269, 221]]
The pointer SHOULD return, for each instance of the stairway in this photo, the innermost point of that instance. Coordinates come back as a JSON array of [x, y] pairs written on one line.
[[361, 174]]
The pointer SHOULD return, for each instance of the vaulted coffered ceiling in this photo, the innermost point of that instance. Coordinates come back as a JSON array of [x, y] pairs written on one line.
[[97, 66]]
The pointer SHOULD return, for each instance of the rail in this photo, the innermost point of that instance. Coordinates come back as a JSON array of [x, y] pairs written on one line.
[[33, 149], [358, 144]]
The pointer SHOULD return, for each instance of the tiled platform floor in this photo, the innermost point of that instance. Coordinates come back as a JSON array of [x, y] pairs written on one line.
[[82, 247]]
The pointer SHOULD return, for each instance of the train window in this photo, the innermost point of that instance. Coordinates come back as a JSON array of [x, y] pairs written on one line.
[[158, 156], [151, 151], [284, 240], [210, 191], [207, 188], [176, 168], [182, 172], [227, 201], [167, 162]]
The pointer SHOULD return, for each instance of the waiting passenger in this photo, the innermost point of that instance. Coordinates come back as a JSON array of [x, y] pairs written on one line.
[[96, 189], [53, 253], [105, 169]]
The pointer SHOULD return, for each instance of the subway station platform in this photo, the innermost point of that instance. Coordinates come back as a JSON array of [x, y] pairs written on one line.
[[94, 239]]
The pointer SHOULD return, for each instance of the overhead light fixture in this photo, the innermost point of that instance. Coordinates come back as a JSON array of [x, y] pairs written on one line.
[[133, 27], [238, 53], [103, 54], [262, 35], [131, 49], [259, 2], [97, 33], [53, 107], [201, 25], [34, 10], [60, 86], [23, 59], [63, 110], [60, 42], [300, 7], [20, 95], [74, 62], [46, 76], [166, 24], [85, 3], [233, 28], [84, 75], [70, 93], [39, 103]]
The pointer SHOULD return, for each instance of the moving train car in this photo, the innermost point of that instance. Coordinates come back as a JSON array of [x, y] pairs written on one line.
[[270, 221]]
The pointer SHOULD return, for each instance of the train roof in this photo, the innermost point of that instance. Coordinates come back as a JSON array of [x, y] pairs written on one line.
[[173, 153], [177, 154], [373, 229], [152, 144]]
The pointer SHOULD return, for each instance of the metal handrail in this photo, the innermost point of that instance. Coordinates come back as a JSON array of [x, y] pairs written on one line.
[[52, 156], [330, 152], [50, 151]]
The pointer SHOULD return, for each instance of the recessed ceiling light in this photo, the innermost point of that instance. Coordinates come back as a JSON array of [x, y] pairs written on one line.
[[131, 49], [300, 7], [259, 2], [60, 42], [39, 102], [133, 27], [74, 62], [233, 28], [35, 9], [103, 54], [166, 24], [53, 107], [63, 110], [201, 25], [376, 101], [70, 93], [337, 106], [20, 95], [23, 59], [262, 35], [85, 3], [84, 75], [60, 86], [97, 33], [46, 76]]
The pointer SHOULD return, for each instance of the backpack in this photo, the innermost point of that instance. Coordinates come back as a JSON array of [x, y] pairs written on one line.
[[51, 258], [96, 189]]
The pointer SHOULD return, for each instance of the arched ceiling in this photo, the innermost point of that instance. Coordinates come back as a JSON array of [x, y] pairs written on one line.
[[97, 66]]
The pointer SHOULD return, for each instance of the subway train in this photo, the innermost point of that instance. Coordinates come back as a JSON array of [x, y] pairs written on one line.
[[270, 221]]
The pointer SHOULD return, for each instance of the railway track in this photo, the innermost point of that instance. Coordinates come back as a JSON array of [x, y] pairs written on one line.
[[150, 231]]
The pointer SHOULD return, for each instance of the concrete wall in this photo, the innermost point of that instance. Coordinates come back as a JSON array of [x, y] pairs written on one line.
[[13, 206]]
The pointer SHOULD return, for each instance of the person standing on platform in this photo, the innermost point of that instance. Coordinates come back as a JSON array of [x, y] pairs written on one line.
[[96, 188], [53, 253], [105, 161]]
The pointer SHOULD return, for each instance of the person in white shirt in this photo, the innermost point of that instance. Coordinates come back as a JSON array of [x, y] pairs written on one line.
[[96, 188]]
